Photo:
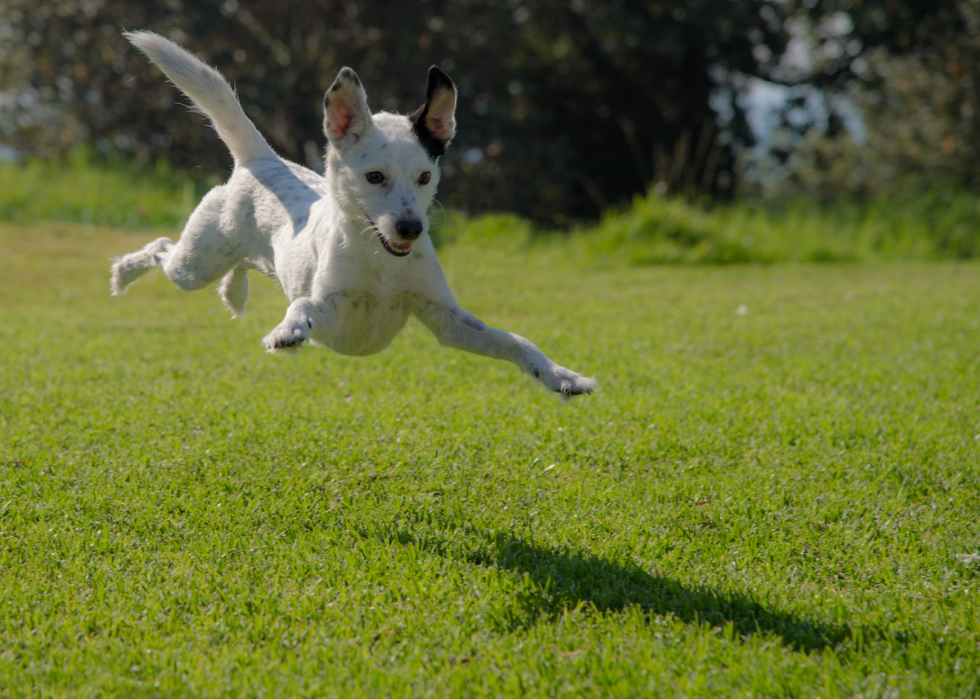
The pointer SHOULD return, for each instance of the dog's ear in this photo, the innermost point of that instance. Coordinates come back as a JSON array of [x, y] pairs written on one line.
[[346, 116], [434, 123]]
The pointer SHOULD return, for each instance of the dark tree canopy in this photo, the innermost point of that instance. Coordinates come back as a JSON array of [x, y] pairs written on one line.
[[566, 106]]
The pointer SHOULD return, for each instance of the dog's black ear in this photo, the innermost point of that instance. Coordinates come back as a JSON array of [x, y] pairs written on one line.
[[346, 116], [434, 123]]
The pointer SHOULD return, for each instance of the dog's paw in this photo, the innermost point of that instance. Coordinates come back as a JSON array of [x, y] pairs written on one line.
[[116, 284], [123, 276], [566, 382], [285, 338]]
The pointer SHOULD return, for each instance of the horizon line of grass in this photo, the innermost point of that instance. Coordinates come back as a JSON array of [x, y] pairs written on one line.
[[84, 188], [652, 229]]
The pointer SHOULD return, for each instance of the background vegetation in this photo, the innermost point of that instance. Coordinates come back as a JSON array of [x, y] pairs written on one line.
[[653, 229], [567, 107], [774, 492], [117, 193]]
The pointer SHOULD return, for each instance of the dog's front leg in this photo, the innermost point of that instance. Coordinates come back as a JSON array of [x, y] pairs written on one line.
[[306, 318], [455, 327]]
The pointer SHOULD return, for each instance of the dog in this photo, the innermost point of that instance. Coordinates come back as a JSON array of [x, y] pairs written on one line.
[[350, 248]]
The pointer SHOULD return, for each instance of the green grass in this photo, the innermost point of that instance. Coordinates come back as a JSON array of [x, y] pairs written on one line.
[[765, 497], [655, 230], [83, 190], [941, 224]]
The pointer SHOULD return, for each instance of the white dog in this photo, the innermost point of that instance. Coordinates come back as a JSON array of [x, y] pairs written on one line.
[[351, 248]]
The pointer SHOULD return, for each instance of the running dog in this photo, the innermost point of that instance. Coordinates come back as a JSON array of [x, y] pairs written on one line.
[[350, 248]]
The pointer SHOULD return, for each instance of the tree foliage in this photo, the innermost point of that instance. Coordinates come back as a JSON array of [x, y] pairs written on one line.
[[911, 70], [566, 106]]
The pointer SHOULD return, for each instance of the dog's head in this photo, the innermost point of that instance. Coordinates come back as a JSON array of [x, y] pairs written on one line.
[[387, 165]]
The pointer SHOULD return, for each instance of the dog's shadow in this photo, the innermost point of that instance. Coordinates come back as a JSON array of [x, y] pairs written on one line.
[[564, 579]]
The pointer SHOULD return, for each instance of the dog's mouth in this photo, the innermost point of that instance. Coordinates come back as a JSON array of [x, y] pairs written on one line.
[[396, 249]]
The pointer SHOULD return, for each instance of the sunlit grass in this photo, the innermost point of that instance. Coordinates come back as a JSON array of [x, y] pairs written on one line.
[[79, 189], [765, 497], [653, 230]]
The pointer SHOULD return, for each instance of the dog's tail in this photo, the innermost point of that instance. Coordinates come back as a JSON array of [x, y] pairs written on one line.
[[210, 92]]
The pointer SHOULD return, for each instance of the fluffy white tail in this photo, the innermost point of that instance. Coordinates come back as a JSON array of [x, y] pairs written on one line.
[[210, 93]]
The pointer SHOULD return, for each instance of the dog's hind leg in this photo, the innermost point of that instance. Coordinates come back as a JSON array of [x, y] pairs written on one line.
[[210, 245], [234, 290], [197, 259], [128, 268]]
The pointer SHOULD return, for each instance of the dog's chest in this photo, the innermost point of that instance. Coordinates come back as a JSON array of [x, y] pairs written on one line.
[[367, 322]]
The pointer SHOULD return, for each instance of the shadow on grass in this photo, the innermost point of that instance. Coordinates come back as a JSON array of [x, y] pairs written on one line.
[[562, 580]]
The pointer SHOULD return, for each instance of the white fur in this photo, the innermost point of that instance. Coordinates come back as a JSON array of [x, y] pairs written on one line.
[[324, 239]]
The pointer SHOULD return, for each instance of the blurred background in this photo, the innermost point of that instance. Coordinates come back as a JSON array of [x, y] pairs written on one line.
[[567, 107]]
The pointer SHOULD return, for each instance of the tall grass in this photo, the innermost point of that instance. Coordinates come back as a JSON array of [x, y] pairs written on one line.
[[939, 224], [84, 190], [936, 224], [656, 230]]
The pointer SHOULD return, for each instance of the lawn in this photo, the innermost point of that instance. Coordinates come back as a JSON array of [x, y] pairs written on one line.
[[775, 490]]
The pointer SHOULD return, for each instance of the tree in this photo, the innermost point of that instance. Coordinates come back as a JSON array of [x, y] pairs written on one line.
[[566, 106], [910, 69], [563, 104]]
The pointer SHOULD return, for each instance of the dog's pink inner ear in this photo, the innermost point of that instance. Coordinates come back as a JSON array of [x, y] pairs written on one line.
[[339, 123], [440, 119], [346, 114]]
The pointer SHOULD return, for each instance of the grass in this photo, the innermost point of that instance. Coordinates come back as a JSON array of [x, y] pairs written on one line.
[[767, 496], [85, 190], [941, 224], [655, 230]]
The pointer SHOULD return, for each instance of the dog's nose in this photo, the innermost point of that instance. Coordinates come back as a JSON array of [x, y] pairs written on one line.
[[409, 230]]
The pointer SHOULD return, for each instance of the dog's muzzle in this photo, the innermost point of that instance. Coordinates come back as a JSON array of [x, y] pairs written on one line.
[[396, 249], [408, 230]]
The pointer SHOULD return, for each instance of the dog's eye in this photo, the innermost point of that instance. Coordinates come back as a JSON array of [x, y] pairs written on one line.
[[375, 177], [426, 176]]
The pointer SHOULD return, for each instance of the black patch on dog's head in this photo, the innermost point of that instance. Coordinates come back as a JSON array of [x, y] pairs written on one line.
[[434, 148], [436, 131]]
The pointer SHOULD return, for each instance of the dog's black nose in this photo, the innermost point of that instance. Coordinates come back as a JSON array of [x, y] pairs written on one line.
[[409, 230]]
